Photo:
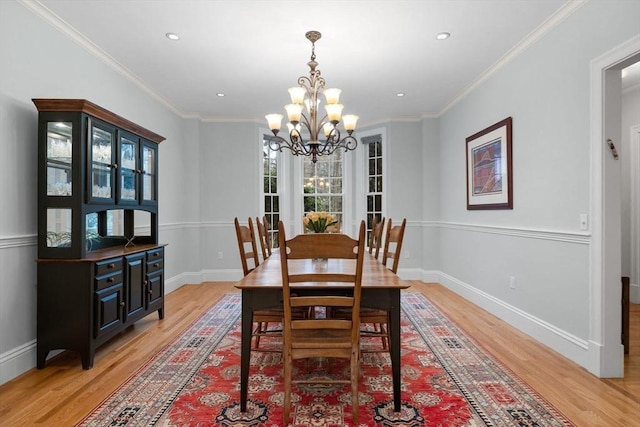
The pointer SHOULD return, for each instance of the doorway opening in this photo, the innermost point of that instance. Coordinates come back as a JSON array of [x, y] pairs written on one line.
[[605, 346]]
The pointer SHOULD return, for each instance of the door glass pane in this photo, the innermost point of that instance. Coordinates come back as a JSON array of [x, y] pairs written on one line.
[[101, 158], [148, 173], [59, 143], [128, 162], [59, 228]]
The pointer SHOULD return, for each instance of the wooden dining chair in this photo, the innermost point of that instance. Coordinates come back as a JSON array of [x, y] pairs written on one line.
[[326, 336], [375, 240], [250, 260], [263, 237], [247, 246], [380, 318], [393, 244]]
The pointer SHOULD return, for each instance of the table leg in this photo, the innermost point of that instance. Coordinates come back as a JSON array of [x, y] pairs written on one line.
[[245, 351], [394, 343]]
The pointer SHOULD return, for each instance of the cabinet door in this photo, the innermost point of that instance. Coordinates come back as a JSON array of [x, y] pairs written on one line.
[[155, 279], [128, 169], [155, 283], [149, 173], [108, 309], [59, 155], [134, 285], [101, 163]]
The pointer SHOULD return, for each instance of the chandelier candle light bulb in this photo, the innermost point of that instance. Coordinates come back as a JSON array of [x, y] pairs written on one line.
[[305, 129]]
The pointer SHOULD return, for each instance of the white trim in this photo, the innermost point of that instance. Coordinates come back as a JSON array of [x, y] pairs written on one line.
[[634, 154], [17, 361], [530, 233], [361, 184], [606, 360], [563, 342], [40, 10], [9, 242]]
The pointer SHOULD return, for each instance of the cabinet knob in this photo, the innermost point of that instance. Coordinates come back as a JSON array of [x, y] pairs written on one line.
[[155, 264], [115, 166], [110, 280], [122, 304], [111, 265], [150, 292]]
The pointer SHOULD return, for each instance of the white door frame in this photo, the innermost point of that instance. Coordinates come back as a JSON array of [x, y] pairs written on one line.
[[634, 153], [606, 353]]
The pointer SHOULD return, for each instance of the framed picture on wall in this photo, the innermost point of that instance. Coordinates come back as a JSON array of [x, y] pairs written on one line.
[[489, 171]]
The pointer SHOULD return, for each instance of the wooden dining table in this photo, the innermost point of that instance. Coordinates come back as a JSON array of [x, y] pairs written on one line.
[[262, 288]]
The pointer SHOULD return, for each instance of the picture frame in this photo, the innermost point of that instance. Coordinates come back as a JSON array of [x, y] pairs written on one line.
[[489, 167]]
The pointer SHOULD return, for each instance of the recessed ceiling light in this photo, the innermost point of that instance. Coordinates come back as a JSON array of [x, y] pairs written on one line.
[[400, 94], [172, 36], [443, 36], [220, 94]]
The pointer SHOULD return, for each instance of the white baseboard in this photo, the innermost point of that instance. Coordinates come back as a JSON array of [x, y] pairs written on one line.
[[570, 346], [17, 361]]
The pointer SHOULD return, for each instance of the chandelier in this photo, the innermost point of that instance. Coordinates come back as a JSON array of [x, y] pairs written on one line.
[[305, 130]]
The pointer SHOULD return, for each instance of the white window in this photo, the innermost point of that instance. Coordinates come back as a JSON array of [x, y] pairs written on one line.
[[374, 181], [271, 191], [323, 186]]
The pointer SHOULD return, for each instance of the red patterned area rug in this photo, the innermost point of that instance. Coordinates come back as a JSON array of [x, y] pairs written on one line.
[[447, 380]]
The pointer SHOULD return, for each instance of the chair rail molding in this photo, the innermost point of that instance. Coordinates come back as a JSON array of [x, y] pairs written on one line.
[[7, 242], [529, 233]]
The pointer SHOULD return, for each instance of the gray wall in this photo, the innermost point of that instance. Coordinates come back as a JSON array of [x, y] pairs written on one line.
[[546, 89], [209, 173], [38, 61]]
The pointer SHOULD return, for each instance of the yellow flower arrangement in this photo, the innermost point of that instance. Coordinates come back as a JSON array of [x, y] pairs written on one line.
[[318, 222]]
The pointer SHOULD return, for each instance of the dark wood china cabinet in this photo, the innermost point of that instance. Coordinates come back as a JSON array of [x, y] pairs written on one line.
[[100, 265]]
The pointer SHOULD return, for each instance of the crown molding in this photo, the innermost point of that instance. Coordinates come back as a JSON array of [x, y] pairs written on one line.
[[47, 15], [554, 20], [43, 12]]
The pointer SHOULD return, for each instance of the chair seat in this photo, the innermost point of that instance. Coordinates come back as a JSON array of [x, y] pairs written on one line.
[[318, 338]]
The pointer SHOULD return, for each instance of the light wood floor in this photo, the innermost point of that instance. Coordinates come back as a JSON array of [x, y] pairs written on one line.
[[62, 393]]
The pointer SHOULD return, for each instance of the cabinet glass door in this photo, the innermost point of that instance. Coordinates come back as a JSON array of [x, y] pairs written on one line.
[[128, 169], [59, 143], [101, 150], [149, 177]]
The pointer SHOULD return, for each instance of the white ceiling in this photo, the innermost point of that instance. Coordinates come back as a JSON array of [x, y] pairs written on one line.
[[253, 50]]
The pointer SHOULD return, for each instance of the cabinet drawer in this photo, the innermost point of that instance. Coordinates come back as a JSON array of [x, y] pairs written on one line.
[[156, 265], [155, 254], [108, 266], [108, 280]]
